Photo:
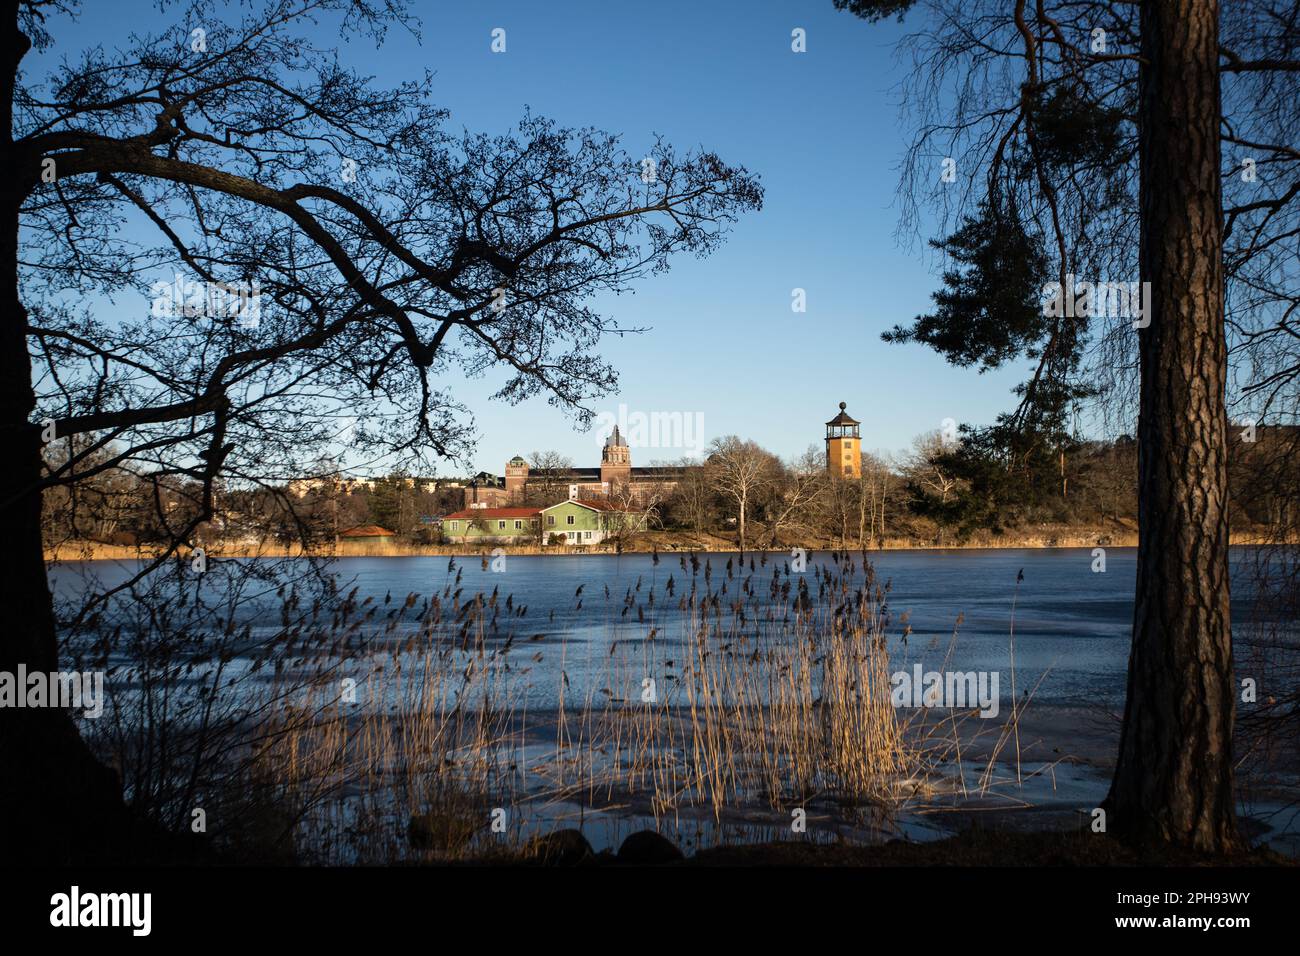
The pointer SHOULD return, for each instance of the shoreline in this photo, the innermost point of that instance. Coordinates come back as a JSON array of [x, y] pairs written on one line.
[[663, 543]]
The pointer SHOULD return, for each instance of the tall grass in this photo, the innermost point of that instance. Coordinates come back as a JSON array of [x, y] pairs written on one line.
[[770, 692]]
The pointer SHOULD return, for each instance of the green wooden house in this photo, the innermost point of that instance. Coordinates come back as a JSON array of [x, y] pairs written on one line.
[[582, 522]]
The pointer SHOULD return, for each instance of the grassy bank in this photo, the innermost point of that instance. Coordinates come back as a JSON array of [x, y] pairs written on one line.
[[664, 541]]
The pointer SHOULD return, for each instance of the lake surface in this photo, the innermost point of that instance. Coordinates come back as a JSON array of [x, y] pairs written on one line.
[[1071, 624], [590, 628]]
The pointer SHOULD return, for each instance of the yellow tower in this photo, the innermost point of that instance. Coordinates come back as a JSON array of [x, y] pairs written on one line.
[[843, 446]]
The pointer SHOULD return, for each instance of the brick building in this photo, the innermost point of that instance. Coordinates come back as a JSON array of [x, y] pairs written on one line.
[[615, 479]]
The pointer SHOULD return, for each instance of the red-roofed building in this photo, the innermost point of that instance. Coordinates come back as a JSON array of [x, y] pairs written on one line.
[[369, 532]]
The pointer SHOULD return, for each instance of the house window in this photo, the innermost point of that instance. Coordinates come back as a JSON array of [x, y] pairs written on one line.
[[848, 469], [455, 526], [519, 525], [550, 519], [569, 519], [501, 525], [586, 536]]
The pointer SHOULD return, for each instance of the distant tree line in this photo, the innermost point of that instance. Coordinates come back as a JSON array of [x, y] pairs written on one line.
[[988, 480], [995, 479]]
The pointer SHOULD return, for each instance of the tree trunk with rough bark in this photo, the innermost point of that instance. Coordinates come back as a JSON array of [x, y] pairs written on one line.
[[1173, 781]]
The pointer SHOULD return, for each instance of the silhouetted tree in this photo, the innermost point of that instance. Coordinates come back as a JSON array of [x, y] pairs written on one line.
[[343, 255], [1097, 132]]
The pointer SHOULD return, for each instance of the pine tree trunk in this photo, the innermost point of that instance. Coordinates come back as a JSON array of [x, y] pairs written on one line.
[[1173, 781]]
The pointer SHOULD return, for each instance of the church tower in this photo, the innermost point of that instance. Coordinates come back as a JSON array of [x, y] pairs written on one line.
[[615, 462], [516, 478], [843, 446]]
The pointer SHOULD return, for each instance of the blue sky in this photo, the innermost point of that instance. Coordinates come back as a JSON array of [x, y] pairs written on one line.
[[822, 129]]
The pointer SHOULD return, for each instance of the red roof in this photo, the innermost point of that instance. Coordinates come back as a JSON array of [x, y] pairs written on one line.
[[493, 513], [367, 531]]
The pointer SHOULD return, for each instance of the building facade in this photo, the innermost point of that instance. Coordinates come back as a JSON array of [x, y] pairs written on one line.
[[615, 480], [588, 522], [492, 526]]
